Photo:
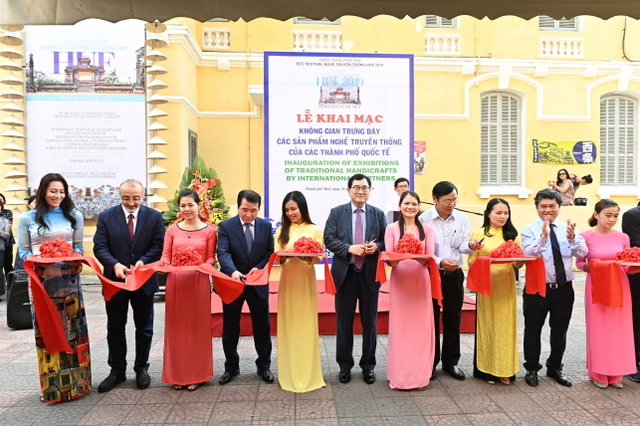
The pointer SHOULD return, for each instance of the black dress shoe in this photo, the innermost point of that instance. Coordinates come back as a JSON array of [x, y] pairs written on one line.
[[454, 371], [227, 376], [559, 377], [531, 378], [434, 374], [369, 376], [142, 379], [266, 375], [111, 381], [345, 376]]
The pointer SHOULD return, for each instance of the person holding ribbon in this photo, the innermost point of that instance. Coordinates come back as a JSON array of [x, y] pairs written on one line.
[[411, 330], [63, 376], [188, 355], [299, 366], [496, 351], [610, 346]]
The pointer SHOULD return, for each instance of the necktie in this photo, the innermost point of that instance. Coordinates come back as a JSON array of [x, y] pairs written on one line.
[[248, 236], [561, 277], [358, 261], [130, 226]]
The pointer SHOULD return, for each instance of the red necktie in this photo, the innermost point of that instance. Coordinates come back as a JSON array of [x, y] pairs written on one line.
[[130, 226], [358, 261]]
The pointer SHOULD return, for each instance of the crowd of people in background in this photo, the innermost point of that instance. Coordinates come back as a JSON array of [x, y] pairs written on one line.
[[131, 235]]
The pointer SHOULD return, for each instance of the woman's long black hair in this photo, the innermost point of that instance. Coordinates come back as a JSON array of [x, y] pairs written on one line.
[[401, 222], [509, 232], [298, 198], [41, 202]]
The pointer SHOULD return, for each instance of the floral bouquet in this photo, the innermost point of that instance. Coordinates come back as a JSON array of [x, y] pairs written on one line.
[[204, 181], [186, 256], [409, 244]]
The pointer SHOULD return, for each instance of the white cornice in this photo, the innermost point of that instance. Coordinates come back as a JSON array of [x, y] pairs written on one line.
[[216, 114]]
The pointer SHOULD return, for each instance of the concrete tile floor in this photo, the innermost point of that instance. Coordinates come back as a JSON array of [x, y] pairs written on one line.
[[249, 401]]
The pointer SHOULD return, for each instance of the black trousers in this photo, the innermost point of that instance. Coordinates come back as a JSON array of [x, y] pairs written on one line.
[[634, 283], [355, 289], [452, 298], [559, 305], [260, 321], [117, 311]]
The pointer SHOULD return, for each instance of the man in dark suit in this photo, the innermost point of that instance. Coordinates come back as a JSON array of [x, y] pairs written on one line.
[[126, 235], [245, 243], [354, 232], [631, 227]]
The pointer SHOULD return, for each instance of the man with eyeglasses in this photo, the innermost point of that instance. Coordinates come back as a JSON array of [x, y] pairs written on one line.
[[451, 230], [128, 236], [392, 205], [354, 232]]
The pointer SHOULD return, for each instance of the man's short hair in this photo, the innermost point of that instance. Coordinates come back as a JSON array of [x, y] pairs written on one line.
[[399, 181], [250, 196], [358, 176], [443, 188], [548, 194], [131, 182]]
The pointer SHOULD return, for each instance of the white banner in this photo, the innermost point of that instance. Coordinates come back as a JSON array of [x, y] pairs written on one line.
[[330, 116], [85, 108]]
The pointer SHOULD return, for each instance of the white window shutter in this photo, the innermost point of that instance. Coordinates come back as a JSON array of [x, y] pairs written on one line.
[[618, 135], [500, 140]]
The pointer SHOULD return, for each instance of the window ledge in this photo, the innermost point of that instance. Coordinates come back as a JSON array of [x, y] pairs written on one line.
[[609, 191], [489, 191]]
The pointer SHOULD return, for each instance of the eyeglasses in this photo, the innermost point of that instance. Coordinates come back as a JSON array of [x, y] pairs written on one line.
[[450, 202], [562, 174], [403, 186], [361, 188], [134, 199]]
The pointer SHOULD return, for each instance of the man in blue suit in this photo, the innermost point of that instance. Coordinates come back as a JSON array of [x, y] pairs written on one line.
[[245, 243], [354, 233], [128, 236]]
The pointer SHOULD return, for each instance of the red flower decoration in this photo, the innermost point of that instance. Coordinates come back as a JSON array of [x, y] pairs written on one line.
[[508, 250], [631, 254], [307, 245], [409, 244], [56, 248], [186, 256]]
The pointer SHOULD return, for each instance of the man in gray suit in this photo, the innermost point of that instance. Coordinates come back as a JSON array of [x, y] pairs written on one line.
[[354, 232]]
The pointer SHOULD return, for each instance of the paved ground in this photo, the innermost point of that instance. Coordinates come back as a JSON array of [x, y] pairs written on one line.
[[249, 401]]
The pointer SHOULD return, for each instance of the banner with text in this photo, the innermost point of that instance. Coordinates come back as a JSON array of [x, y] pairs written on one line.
[[330, 116], [564, 152], [85, 108]]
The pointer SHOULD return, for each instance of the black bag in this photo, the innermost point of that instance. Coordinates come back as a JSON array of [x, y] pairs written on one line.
[[580, 201], [18, 303]]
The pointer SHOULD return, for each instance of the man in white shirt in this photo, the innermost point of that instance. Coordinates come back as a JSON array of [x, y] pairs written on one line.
[[451, 230], [539, 239], [392, 205]]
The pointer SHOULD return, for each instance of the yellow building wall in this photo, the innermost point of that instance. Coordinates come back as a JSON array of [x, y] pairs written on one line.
[[215, 103]]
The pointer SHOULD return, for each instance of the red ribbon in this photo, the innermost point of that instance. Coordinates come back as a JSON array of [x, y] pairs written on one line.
[[434, 274], [606, 282], [261, 276], [479, 276]]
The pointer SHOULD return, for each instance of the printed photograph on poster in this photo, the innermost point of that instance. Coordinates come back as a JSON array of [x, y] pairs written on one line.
[[85, 107], [419, 149], [564, 152], [329, 116]]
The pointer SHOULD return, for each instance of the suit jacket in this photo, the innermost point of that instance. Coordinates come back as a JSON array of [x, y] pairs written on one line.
[[112, 243], [338, 236], [631, 227], [232, 251]]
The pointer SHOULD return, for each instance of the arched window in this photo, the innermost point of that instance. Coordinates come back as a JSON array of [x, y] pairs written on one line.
[[618, 136], [500, 140]]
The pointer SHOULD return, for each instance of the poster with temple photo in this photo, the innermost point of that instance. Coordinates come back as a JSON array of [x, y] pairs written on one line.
[[85, 108], [329, 116]]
